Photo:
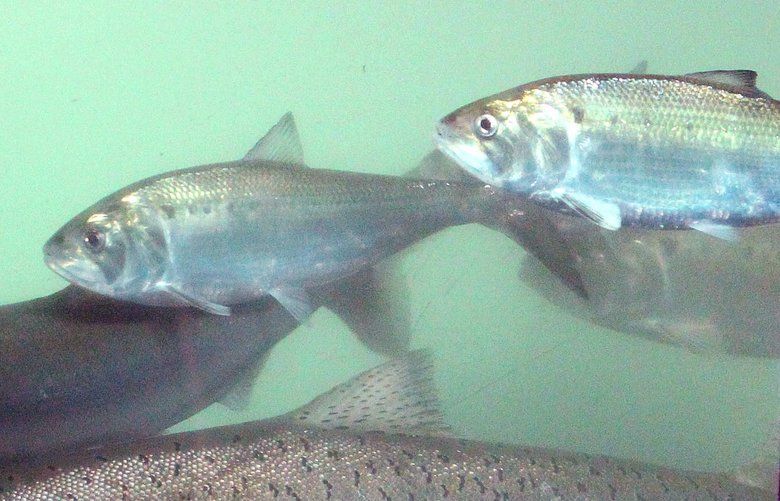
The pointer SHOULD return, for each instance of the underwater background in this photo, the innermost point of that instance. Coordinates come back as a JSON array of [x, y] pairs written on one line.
[[96, 95]]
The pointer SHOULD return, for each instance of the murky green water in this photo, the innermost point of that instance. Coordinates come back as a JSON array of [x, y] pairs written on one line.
[[93, 97]]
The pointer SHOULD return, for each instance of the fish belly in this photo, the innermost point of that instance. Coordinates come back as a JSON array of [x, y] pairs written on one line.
[[670, 187], [242, 259]]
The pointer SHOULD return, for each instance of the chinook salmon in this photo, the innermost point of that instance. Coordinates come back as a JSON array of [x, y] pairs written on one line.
[[697, 151], [77, 368], [233, 232], [379, 436]]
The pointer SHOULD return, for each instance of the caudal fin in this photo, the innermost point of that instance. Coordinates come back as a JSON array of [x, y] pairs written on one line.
[[531, 226], [374, 304]]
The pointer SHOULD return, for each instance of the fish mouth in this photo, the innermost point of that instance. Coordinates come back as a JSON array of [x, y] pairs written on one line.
[[59, 267], [470, 159], [447, 142], [68, 267]]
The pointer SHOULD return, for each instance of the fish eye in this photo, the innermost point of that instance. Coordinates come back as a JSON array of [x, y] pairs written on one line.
[[486, 125], [95, 240]]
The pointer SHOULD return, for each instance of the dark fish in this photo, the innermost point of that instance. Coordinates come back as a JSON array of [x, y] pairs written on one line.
[[356, 442], [233, 232], [678, 287], [696, 151], [77, 368]]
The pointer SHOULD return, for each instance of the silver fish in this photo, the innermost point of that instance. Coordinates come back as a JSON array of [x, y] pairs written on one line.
[[233, 232], [379, 436], [78, 369], [697, 151], [677, 287]]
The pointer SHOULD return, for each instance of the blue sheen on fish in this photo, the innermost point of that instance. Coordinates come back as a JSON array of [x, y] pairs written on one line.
[[698, 151]]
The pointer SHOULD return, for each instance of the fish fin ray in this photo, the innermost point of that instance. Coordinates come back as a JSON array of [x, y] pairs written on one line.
[[192, 300], [295, 300], [720, 231], [281, 143], [604, 214], [396, 397], [744, 80], [374, 304]]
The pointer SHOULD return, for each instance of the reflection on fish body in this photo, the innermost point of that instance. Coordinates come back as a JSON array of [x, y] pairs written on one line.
[[356, 442], [699, 151], [233, 232], [679, 287]]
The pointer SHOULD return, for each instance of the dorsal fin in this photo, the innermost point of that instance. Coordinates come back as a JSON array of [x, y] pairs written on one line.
[[281, 143], [743, 80], [640, 68], [395, 397]]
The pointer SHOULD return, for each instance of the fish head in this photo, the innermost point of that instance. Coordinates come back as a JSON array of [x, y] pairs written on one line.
[[515, 142], [113, 249]]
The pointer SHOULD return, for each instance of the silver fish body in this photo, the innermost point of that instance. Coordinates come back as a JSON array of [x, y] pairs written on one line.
[[697, 151], [306, 456], [232, 232]]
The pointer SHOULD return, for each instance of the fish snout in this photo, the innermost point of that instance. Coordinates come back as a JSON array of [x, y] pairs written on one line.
[[55, 243], [444, 133]]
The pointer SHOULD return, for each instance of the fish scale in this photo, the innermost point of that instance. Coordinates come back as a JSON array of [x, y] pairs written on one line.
[[695, 151], [227, 233], [379, 436]]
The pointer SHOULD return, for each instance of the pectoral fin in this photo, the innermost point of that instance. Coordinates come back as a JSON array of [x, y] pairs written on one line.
[[198, 302], [294, 300], [605, 214]]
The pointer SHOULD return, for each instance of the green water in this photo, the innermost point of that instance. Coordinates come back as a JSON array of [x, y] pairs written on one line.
[[95, 96]]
